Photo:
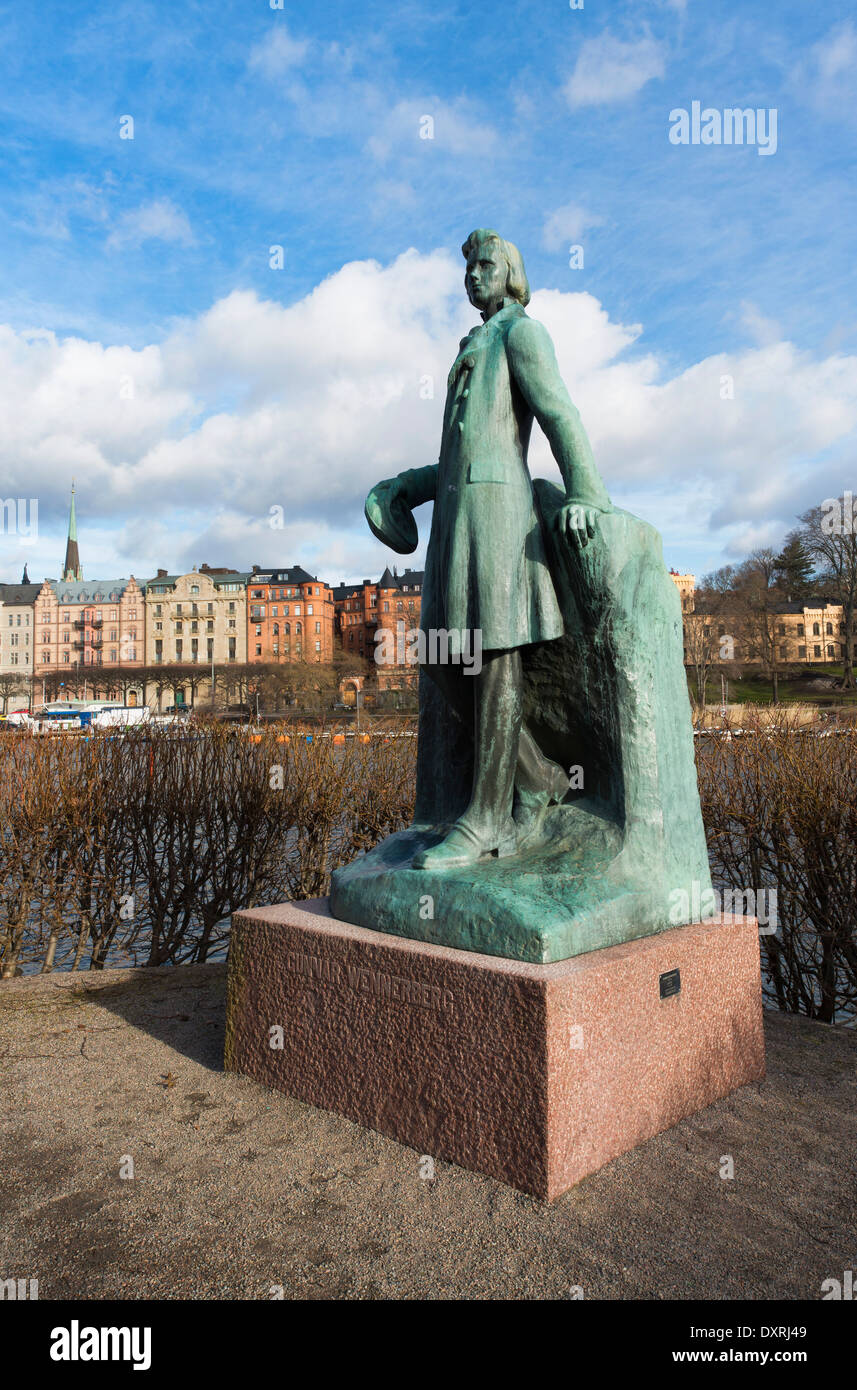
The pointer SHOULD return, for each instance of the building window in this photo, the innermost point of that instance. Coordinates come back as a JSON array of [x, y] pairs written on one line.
[[801, 651], [800, 631], [817, 651]]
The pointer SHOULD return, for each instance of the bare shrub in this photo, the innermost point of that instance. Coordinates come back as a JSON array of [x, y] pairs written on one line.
[[780, 808], [138, 846]]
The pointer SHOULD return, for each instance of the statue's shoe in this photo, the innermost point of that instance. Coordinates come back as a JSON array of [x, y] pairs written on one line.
[[464, 846], [539, 776]]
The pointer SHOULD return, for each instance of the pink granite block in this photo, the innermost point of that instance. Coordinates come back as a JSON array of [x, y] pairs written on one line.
[[533, 1074]]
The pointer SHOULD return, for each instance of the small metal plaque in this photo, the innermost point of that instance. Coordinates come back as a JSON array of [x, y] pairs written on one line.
[[670, 983]]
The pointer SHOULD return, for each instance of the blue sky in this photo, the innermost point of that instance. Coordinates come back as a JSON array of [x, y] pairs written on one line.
[[142, 265]]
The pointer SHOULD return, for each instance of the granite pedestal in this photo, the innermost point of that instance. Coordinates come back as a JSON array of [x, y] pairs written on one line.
[[532, 1074]]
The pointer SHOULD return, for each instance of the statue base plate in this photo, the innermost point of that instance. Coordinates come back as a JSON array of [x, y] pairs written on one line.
[[532, 1074]]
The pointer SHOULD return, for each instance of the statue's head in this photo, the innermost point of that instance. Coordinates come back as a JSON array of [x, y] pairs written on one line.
[[495, 270]]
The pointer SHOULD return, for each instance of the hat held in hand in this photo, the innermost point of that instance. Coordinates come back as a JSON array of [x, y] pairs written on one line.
[[390, 517]]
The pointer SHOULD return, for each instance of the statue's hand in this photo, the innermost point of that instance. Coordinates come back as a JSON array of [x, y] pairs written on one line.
[[387, 491], [575, 521], [390, 517]]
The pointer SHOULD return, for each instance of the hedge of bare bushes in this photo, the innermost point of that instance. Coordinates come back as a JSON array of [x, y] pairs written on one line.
[[779, 802], [135, 849]]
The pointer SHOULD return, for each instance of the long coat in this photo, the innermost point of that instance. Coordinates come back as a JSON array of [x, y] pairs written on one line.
[[486, 563]]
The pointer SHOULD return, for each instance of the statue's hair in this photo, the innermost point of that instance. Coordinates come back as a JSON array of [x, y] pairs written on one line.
[[517, 285]]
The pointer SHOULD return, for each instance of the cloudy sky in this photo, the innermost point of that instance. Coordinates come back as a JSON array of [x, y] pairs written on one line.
[[200, 386]]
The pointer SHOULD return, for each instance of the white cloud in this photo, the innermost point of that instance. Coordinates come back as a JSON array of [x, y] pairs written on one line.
[[761, 329], [835, 56], [568, 224], [277, 54], [254, 404], [608, 69], [158, 220], [826, 77], [456, 127]]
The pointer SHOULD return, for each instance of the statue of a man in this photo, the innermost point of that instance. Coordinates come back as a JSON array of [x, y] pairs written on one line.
[[487, 572]]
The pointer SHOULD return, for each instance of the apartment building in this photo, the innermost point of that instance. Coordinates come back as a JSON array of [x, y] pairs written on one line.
[[197, 619], [290, 616], [16, 631], [83, 626]]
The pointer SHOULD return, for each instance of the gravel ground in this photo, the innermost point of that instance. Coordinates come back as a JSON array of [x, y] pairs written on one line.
[[237, 1190]]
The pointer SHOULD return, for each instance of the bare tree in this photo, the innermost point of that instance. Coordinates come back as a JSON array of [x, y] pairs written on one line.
[[830, 536], [11, 684], [758, 597]]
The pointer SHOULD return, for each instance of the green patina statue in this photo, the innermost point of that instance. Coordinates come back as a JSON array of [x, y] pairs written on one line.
[[557, 808]]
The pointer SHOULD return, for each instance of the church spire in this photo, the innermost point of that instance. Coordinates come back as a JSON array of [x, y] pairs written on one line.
[[71, 568]]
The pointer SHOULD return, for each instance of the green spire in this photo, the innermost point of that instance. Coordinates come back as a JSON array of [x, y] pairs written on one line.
[[71, 569]]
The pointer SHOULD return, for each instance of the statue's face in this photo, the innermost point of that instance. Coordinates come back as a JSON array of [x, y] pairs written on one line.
[[485, 277]]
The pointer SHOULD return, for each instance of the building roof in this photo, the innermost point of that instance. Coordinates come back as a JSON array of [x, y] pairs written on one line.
[[410, 581], [89, 590], [19, 593], [295, 574], [343, 591], [162, 582]]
